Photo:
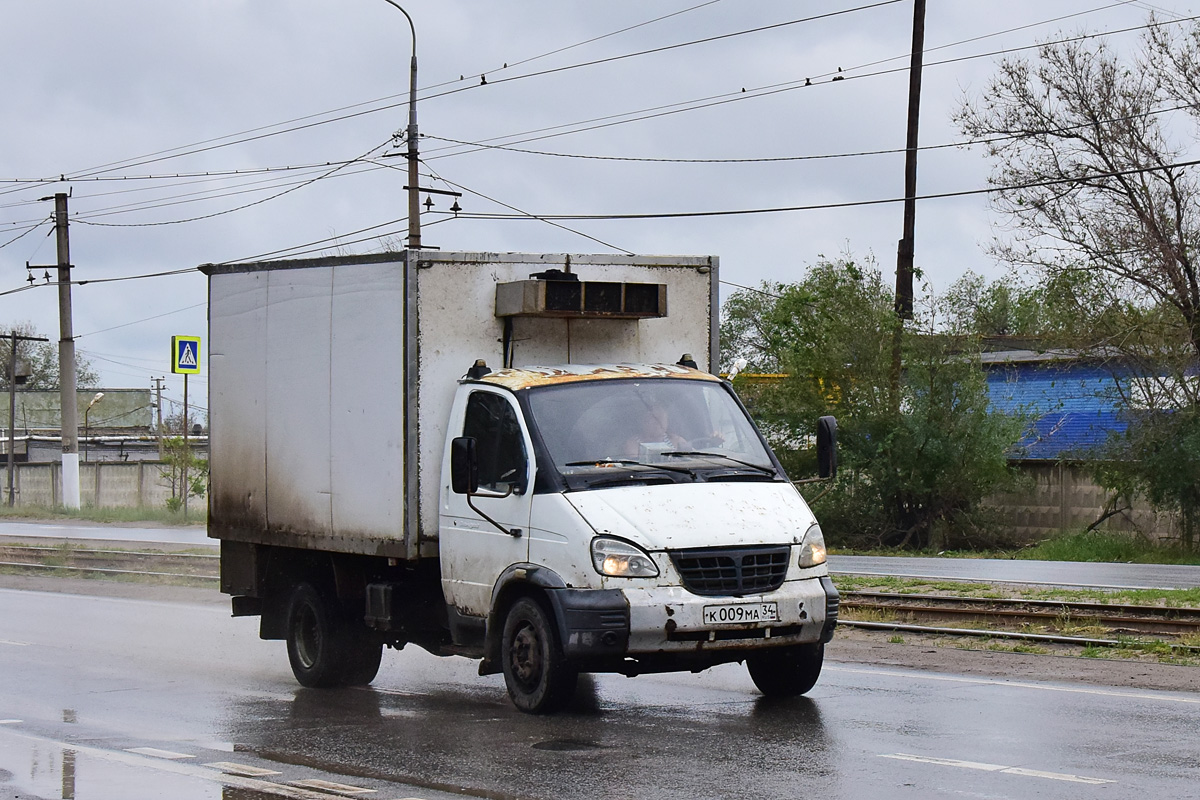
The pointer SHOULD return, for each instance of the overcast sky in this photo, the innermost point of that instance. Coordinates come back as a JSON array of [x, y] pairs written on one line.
[[131, 99]]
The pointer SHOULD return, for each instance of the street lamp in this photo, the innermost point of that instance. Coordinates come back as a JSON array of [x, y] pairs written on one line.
[[414, 187], [95, 400]]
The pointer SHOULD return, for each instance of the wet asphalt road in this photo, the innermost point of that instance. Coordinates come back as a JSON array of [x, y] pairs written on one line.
[[114, 698]]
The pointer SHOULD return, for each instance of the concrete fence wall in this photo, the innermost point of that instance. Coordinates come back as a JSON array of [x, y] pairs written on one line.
[[102, 484], [1063, 497]]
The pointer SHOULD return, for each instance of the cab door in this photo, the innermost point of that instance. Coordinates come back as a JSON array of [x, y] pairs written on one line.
[[475, 550]]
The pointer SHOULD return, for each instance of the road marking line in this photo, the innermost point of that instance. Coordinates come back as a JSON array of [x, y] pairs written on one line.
[[14, 644], [11, 721], [154, 752], [1017, 684], [245, 770], [1000, 768], [334, 788]]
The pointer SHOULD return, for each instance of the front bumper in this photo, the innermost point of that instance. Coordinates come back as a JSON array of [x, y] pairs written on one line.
[[598, 623]]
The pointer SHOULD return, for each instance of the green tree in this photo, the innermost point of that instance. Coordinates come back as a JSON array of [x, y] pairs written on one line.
[[186, 472], [42, 359], [908, 476]]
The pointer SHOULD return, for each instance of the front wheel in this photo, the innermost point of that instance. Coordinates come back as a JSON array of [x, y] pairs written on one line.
[[538, 678], [786, 671]]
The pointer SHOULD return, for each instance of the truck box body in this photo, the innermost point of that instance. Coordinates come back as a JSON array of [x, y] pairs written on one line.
[[332, 378]]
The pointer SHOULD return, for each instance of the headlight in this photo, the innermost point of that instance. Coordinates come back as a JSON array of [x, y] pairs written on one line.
[[619, 559], [812, 551]]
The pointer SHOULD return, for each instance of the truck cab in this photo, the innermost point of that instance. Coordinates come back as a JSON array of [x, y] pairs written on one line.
[[624, 518]]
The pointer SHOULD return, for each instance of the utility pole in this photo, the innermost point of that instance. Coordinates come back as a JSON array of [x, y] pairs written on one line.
[[187, 448], [158, 387], [66, 360], [14, 337], [905, 250]]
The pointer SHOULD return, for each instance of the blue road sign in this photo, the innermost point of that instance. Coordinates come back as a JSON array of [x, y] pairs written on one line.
[[185, 354]]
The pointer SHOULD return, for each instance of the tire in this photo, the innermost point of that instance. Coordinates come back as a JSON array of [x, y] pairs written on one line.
[[362, 659], [317, 638], [786, 671], [538, 678]]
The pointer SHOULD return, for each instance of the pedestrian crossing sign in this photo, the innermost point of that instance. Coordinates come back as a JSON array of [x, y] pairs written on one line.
[[185, 354]]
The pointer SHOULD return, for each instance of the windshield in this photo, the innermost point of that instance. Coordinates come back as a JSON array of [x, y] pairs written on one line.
[[649, 430]]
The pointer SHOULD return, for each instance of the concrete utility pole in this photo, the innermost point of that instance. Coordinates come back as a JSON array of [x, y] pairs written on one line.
[[66, 360], [414, 186]]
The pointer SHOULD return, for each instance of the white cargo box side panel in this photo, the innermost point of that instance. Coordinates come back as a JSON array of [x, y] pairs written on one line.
[[367, 401], [237, 361], [456, 324], [298, 335]]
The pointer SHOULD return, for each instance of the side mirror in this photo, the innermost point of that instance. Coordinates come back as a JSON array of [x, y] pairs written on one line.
[[464, 466], [827, 447]]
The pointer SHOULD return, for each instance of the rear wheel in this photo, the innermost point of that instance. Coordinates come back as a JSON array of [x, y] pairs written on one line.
[[317, 638], [538, 678], [786, 671], [362, 659]]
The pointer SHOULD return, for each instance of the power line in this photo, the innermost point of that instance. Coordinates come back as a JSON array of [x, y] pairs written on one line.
[[139, 321], [829, 206], [25, 232], [812, 157], [260, 201], [533, 216]]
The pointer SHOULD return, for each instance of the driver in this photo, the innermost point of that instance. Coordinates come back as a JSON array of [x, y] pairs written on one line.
[[653, 427]]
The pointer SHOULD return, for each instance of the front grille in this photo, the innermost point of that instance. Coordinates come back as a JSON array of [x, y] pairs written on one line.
[[723, 571]]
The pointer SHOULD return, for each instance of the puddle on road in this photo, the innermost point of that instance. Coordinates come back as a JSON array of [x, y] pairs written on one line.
[[52, 772]]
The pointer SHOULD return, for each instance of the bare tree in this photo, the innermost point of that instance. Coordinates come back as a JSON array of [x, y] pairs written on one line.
[[1095, 175]]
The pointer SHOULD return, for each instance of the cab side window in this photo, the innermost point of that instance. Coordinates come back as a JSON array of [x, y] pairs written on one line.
[[493, 423]]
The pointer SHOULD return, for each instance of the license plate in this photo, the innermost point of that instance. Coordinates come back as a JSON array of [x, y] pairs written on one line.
[[741, 613]]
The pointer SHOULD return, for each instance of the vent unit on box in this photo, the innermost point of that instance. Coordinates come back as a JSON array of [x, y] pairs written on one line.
[[561, 294]]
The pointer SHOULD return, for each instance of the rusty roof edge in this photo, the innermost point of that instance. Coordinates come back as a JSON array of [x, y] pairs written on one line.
[[530, 376]]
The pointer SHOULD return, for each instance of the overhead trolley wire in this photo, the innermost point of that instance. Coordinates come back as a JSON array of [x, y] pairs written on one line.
[[98, 172], [513, 64], [732, 97], [263, 132], [664, 48]]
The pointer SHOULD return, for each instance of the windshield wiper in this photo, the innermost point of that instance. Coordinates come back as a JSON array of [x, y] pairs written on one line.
[[626, 462], [759, 467]]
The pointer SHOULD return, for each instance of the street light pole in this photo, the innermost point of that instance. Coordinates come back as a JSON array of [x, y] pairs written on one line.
[[414, 187], [87, 411]]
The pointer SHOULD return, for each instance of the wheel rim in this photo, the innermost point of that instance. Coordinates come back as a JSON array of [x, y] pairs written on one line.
[[308, 637], [526, 656]]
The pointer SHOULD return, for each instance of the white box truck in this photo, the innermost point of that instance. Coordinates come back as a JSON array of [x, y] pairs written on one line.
[[518, 458]]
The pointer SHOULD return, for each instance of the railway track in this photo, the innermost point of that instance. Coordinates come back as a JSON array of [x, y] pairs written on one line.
[[1055, 620], [1034, 620], [129, 563]]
